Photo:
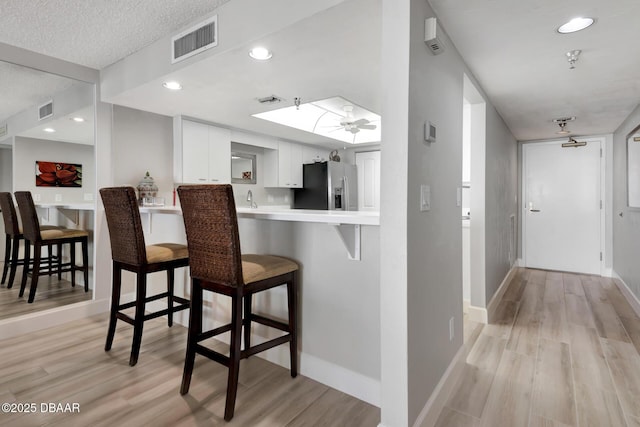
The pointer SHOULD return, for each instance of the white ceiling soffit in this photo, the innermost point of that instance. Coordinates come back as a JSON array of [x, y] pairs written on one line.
[[514, 51], [335, 52], [95, 33], [66, 129], [22, 87]]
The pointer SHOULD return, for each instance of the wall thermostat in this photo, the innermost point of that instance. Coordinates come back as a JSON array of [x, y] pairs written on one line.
[[429, 132]]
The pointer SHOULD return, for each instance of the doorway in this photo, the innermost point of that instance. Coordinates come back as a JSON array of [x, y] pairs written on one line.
[[563, 206]]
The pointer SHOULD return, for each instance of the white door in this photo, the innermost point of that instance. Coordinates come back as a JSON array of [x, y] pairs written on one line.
[[368, 165], [561, 212]]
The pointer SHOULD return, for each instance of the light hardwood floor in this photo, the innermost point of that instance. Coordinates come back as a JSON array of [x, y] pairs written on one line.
[[67, 364], [51, 293], [564, 351]]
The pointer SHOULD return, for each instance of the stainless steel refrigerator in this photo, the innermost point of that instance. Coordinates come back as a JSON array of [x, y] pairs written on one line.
[[327, 185]]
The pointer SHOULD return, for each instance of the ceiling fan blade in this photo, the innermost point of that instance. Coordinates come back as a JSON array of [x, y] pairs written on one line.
[[368, 127], [354, 130], [360, 122]]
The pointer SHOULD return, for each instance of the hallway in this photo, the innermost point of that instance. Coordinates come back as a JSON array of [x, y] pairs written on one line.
[[563, 351]]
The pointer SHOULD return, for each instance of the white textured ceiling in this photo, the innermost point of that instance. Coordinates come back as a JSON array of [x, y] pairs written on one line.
[[514, 51], [94, 33], [511, 47]]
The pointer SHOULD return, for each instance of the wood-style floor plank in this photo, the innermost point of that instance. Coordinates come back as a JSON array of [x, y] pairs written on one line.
[[450, 418], [553, 396], [624, 363], [509, 400], [538, 421], [607, 322], [575, 379], [597, 407], [632, 326], [72, 366], [589, 363]]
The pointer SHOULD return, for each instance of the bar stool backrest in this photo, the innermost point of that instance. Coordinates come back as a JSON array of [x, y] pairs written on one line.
[[125, 227], [9, 214], [30, 222], [211, 223]]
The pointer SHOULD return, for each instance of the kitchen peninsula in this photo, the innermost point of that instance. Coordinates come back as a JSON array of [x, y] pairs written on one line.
[[339, 298]]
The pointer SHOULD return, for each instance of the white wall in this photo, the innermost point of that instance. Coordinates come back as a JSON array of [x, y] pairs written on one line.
[[27, 151], [6, 169], [626, 228], [423, 249]]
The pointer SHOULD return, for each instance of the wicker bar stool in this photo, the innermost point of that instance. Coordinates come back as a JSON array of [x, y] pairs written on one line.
[[129, 252], [41, 236], [13, 236], [216, 265]]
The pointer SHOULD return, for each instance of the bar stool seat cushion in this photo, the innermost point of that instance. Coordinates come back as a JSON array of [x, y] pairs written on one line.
[[260, 267], [162, 252], [62, 233], [44, 227]]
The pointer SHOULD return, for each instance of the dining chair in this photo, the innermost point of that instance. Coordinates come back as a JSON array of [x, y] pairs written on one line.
[[216, 265], [129, 252], [39, 237]]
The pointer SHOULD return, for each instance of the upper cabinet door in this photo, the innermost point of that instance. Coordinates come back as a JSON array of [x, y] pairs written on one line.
[[295, 165], [219, 155], [195, 153]]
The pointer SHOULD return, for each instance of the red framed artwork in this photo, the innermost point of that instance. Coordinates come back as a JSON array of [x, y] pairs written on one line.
[[57, 174]]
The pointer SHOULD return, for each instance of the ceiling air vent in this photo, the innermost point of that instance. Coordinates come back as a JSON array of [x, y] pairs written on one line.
[[4, 130], [196, 39], [45, 110]]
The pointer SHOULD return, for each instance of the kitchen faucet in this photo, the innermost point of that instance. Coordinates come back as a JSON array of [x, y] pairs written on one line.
[[252, 204]]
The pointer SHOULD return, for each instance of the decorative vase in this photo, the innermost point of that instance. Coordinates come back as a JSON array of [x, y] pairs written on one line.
[[147, 190]]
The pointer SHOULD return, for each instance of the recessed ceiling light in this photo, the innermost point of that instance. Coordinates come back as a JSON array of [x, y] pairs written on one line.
[[77, 119], [260, 53], [50, 130], [172, 85], [576, 24]]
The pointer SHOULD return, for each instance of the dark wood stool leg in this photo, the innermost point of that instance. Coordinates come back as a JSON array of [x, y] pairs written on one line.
[[58, 258], [7, 257], [247, 321], [72, 262], [292, 296], [170, 280], [115, 302], [138, 321], [14, 261], [234, 354], [26, 266], [85, 263], [35, 274], [195, 329]]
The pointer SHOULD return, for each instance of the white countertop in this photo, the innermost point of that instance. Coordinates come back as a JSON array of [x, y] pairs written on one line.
[[283, 214], [71, 206]]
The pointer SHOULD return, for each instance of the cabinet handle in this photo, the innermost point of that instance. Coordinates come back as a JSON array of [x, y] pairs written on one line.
[[215, 180], [202, 179]]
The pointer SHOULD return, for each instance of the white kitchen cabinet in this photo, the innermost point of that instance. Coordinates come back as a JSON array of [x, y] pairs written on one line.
[[202, 153], [283, 167]]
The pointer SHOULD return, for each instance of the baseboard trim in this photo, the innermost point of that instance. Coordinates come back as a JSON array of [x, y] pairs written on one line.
[[431, 411], [519, 263], [39, 320], [632, 299], [478, 314], [497, 297], [465, 306], [607, 272]]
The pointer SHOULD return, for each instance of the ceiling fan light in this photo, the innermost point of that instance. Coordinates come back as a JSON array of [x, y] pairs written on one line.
[[576, 24]]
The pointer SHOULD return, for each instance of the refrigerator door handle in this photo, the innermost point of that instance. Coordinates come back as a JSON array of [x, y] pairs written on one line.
[[345, 193]]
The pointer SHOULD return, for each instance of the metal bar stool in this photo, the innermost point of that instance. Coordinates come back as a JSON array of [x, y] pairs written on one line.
[[216, 265], [39, 237], [13, 235], [129, 252]]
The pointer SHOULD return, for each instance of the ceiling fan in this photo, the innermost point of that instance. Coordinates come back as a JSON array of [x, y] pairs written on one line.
[[349, 124]]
